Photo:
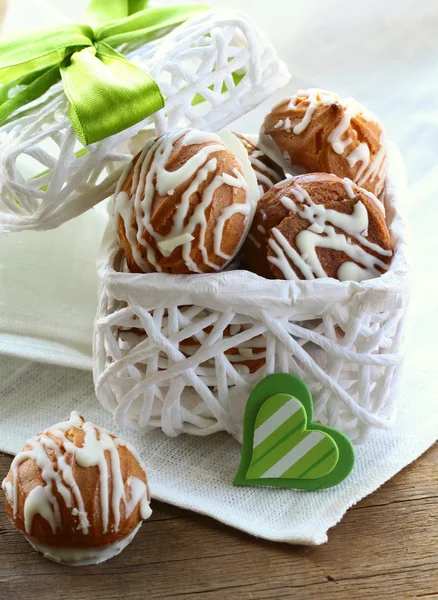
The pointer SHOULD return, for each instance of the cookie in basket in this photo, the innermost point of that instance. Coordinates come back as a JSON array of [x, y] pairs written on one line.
[[315, 130], [185, 203], [319, 225]]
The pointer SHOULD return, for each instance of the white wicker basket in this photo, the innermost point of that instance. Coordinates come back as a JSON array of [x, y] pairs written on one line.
[[47, 177], [344, 339]]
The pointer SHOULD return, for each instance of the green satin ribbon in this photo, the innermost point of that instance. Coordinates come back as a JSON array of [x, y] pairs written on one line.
[[106, 92]]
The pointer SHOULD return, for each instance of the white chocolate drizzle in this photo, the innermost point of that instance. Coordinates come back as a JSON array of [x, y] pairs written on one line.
[[38, 503], [350, 271], [227, 213], [322, 234], [168, 246], [254, 240], [266, 177], [150, 176], [349, 188], [57, 475]]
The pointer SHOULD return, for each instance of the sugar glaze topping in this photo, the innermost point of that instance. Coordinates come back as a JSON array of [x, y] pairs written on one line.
[[57, 474], [321, 233], [150, 176], [266, 176]]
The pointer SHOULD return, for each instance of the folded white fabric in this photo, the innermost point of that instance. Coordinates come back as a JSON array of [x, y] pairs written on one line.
[[48, 283], [48, 291]]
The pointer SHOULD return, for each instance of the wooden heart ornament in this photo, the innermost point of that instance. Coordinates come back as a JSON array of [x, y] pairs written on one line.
[[283, 447]]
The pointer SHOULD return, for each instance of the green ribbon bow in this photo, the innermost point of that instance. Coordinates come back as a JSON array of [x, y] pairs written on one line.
[[106, 92]]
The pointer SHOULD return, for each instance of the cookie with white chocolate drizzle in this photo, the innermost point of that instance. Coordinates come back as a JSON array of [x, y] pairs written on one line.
[[316, 131], [319, 225], [267, 172], [77, 492], [185, 203]]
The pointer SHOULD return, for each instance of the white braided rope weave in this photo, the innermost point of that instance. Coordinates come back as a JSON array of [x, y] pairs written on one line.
[[344, 339], [196, 59]]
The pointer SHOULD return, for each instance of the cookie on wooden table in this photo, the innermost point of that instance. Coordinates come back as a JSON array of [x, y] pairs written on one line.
[[78, 493]]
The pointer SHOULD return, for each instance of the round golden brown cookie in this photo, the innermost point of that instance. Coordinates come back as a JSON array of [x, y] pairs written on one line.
[[184, 205], [267, 172], [317, 131], [318, 225], [77, 492]]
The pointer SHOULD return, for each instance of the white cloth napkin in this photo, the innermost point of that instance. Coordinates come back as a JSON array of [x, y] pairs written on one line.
[[48, 282], [48, 291]]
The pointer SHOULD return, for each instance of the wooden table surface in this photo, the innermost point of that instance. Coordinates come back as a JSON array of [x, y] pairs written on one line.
[[386, 547]]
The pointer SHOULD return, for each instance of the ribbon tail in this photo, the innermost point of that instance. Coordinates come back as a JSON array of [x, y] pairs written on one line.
[[23, 90], [135, 6], [147, 23], [106, 93], [101, 11]]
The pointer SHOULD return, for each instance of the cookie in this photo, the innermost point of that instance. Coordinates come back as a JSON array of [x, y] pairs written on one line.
[[77, 492], [316, 131], [185, 203], [319, 225]]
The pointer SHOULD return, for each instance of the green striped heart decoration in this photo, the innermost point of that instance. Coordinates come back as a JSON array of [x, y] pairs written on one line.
[[283, 447]]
